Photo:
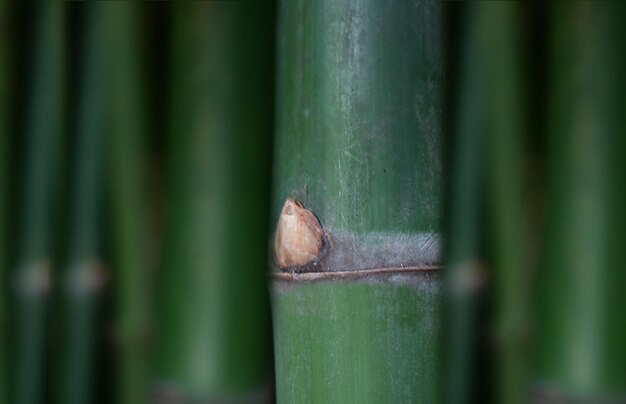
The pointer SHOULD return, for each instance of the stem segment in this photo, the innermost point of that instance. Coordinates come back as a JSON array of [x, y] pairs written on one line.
[[359, 132]]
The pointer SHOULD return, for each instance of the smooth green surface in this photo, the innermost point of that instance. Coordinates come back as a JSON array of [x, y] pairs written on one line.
[[359, 113], [465, 229], [6, 71], [39, 170], [82, 272], [214, 320], [582, 325], [499, 39], [487, 209], [127, 127], [360, 341]]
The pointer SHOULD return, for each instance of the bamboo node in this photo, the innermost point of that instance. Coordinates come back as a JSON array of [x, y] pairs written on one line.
[[469, 276], [86, 278], [34, 279]]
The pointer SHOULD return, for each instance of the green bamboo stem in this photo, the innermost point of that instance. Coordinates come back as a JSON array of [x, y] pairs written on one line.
[[500, 35], [358, 143], [126, 108], [582, 326], [465, 274], [42, 145], [83, 275], [493, 124], [370, 339], [214, 325], [6, 71]]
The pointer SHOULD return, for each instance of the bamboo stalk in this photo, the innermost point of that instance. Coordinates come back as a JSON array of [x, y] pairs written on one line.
[[493, 124], [582, 326], [6, 72], [126, 109], [465, 276], [358, 143], [501, 35], [83, 275], [214, 325], [41, 159]]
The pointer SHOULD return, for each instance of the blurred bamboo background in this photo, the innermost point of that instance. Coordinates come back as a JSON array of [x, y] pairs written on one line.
[[138, 164]]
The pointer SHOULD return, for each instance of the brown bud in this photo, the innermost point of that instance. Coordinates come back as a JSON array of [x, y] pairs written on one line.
[[299, 236]]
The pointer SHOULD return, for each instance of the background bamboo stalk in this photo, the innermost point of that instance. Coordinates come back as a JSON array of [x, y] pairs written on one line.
[[359, 143], [83, 275], [132, 278], [7, 15], [501, 32], [466, 266], [488, 237], [40, 163], [214, 325], [582, 327]]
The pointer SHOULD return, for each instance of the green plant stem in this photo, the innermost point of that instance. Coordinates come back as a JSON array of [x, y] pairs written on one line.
[[121, 27], [371, 340], [41, 159], [84, 276], [501, 34], [582, 326], [6, 71], [493, 124], [214, 325], [466, 268], [358, 143]]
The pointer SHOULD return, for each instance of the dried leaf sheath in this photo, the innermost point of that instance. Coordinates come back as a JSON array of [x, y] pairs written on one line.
[[299, 236]]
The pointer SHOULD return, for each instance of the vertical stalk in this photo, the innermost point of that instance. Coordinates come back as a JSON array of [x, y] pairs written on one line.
[[466, 268], [42, 145], [582, 329], [83, 274], [501, 34], [6, 71], [493, 123], [214, 325], [121, 27], [358, 144]]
